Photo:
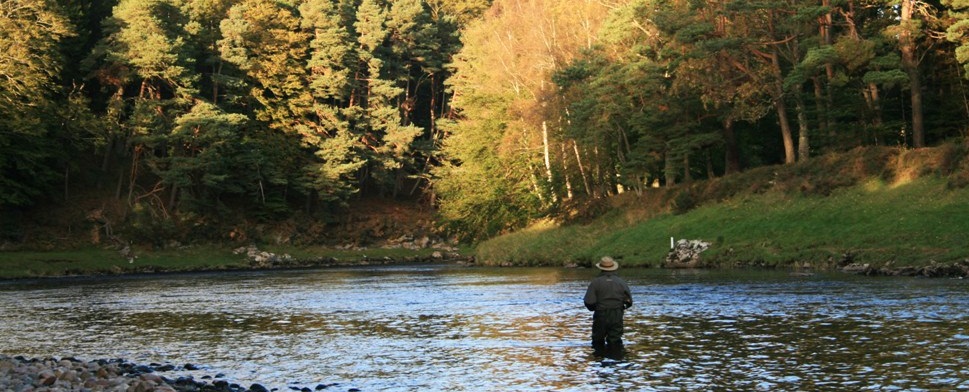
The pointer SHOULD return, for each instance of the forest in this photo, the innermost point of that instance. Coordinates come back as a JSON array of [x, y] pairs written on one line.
[[179, 113]]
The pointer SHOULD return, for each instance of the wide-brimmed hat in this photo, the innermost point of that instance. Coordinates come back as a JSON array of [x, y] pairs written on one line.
[[607, 264]]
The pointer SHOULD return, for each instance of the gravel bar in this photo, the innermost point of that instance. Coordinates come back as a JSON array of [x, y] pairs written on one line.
[[21, 374]]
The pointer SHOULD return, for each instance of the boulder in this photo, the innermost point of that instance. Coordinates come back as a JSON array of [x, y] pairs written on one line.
[[258, 388], [685, 254]]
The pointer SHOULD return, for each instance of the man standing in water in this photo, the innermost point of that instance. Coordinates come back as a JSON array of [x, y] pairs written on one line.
[[608, 296]]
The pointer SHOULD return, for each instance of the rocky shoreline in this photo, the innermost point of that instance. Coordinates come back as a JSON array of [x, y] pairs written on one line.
[[21, 374], [959, 269], [254, 259], [259, 259]]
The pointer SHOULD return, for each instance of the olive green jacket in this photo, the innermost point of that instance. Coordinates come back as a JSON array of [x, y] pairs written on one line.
[[608, 291]]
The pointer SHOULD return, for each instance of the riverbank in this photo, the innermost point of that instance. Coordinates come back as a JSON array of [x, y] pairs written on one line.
[[93, 261], [876, 212], [71, 374]]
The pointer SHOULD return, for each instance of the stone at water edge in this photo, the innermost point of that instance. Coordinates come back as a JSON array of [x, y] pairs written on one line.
[[686, 251], [258, 388]]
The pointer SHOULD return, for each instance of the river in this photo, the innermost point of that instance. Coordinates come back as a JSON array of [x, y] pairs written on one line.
[[445, 327]]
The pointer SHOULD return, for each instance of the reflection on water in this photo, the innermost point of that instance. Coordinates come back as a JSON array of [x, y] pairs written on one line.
[[452, 328]]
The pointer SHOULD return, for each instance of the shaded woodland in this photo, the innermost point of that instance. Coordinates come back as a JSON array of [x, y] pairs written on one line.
[[175, 114]]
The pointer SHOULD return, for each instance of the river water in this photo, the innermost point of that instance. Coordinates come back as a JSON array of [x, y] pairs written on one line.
[[443, 327]]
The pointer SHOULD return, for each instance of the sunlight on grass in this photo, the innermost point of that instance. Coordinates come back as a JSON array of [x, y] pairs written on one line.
[[874, 221], [541, 226], [874, 185], [904, 178]]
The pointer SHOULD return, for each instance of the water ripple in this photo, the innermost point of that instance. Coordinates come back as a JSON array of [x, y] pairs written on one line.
[[447, 328]]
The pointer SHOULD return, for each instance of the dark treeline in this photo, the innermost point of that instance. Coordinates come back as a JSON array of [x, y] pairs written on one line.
[[182, 111]]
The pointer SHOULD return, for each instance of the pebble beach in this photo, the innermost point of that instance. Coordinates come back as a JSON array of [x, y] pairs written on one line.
[[19, 374]]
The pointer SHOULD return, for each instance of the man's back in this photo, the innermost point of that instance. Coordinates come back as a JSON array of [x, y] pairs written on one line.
[[607, 291], [607, 296]]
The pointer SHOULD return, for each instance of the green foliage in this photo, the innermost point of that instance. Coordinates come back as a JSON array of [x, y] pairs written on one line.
[[856, 53], [202, 108], [30, 35], [460, 11], [26, 170], [890, 78], [331, 58], [475, 207], [957, 31], [146, 225], [683, 202], [205, 107], [208, 154], [473, 203], [148, 37], [502, 160]]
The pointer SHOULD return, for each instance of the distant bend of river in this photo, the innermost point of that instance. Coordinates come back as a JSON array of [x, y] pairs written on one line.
[[442, 327]]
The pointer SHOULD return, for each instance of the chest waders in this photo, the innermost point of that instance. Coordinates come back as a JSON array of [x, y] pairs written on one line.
[[607, 332]]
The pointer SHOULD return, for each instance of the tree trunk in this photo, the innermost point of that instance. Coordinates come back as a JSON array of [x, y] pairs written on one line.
[[173, 197], [965, 100], [732, 153], [133, 174], [433, 125], [709, 156], [781, 107], [578, 161], [823, 91], [216, 71], [106, 160], [821, 105], [906, 43], [669, 169], [803, 146], [398, 182], [687, 177], [874, 107], [67, 183], [565, 173], [535, 186], [548, 160]]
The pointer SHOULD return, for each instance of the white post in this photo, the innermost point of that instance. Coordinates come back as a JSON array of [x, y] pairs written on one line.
[[671, 243]]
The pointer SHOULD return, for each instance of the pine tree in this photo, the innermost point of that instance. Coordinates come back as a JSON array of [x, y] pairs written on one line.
[[958, 31], [332, 69], [30, 35], [145, 58], [388, 136], [204, 17]]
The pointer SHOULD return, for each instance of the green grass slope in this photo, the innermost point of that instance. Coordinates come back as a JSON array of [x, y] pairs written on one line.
[[882, 206]]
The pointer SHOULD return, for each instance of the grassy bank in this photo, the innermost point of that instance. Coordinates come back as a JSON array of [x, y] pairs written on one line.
[[901, 215], [96, 260], [99, 261], [875, 205]]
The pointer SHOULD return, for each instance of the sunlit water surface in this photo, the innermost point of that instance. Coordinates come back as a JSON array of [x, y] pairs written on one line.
[[432, 327]]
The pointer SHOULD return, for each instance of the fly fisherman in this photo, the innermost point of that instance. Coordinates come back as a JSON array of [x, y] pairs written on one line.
[[608, 296]]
